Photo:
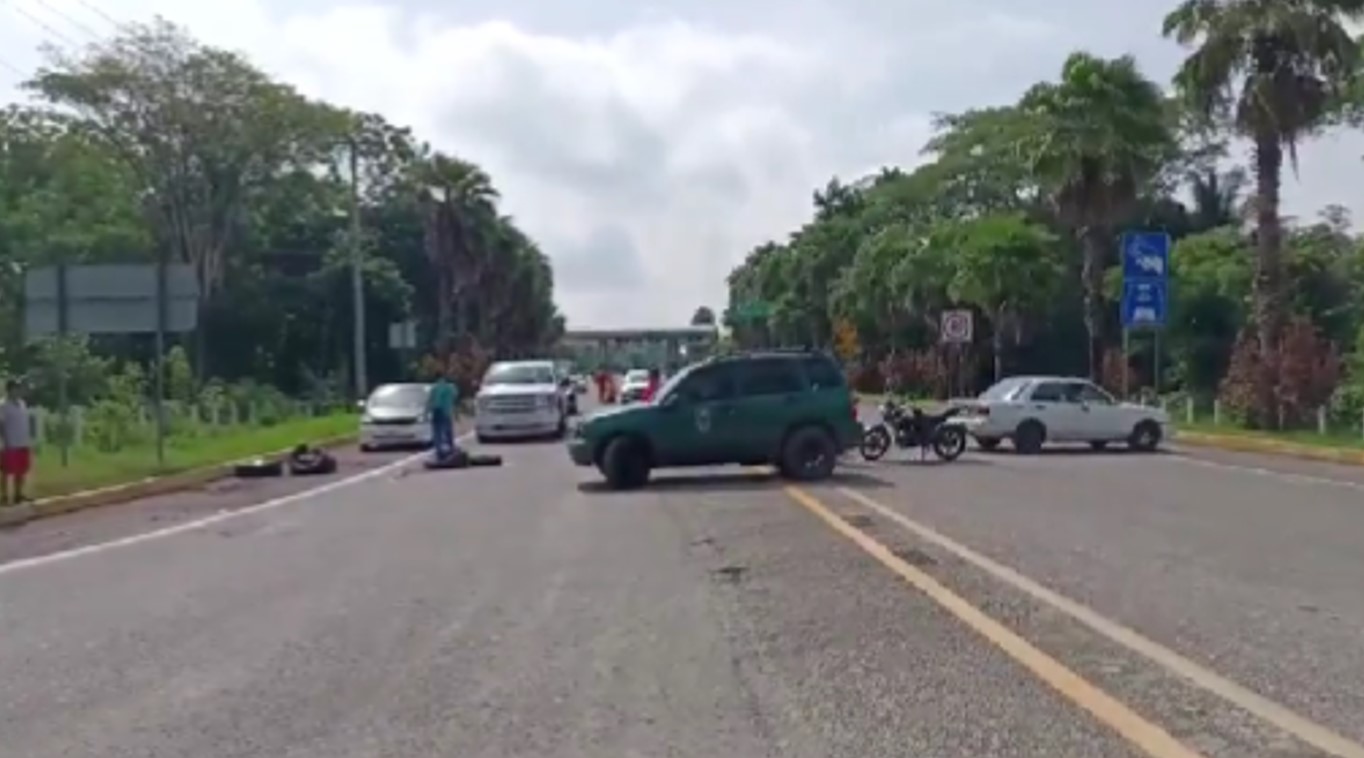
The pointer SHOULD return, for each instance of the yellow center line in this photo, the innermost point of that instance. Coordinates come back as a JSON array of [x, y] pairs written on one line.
[[1150, 738], [1308, 731]]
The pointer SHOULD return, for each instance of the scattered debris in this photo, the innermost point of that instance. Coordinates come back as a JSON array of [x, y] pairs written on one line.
[[730, 574], [915, 557]]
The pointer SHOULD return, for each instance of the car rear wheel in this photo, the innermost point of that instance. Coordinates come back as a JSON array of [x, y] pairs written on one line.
[[625, 464], [1029, 436], [808, 455]]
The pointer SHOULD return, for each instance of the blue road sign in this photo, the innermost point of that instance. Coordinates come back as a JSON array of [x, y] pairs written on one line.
[[1145, 256], [1144, 303]]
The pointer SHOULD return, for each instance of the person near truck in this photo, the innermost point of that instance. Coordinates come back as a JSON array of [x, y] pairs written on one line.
[[16, 445], [440, 404]]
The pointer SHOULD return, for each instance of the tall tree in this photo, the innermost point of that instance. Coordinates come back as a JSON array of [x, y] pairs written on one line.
[[1006, 267], [703, 316], [200, 127], [1271, 70], [460, 210], [1097, 138]]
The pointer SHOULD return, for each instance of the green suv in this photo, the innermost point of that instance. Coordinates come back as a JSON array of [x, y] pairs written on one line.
[[792, 409]]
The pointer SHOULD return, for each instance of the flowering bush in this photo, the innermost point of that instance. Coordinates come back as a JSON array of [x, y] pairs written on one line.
[[1287, 387]]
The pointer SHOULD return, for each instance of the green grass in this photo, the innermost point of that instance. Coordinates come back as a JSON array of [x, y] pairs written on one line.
[[89, 469]]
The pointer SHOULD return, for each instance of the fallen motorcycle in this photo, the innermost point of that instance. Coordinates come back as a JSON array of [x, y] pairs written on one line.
[[911, 427]]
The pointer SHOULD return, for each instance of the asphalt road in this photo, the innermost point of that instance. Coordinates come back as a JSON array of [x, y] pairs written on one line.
[[524, 611]]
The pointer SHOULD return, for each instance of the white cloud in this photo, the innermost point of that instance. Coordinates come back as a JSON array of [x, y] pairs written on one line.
[[662, 143]]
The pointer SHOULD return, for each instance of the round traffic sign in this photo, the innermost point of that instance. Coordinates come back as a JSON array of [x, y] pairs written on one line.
[[956, 326]]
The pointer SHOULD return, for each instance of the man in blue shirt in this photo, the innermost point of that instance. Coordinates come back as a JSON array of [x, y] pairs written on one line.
[[440, 404]]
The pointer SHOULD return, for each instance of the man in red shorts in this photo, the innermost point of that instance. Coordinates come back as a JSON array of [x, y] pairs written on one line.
[[16, 443]]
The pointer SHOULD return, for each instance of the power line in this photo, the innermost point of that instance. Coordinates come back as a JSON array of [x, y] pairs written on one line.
[[64, 15], [95, 9], [6, 64], [41, 24]]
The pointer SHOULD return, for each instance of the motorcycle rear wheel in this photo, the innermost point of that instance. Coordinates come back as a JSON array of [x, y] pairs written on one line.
[[875, 443], [949, 443]]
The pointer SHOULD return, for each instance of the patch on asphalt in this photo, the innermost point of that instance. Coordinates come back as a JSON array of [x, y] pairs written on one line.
[[859, 520], [915, 557], [729, 574]]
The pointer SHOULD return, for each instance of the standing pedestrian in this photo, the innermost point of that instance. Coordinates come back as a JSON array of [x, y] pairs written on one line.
[[651, 389], [16, 442], [440, 404]]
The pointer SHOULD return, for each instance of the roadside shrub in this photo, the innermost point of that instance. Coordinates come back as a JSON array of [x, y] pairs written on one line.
[[918, 373], [1304, 372]]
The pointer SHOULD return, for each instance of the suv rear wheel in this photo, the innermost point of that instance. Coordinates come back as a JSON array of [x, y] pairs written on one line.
[[625, 464], [808, 454]]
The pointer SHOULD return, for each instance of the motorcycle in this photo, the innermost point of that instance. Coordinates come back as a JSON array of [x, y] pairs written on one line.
[[911, 427]]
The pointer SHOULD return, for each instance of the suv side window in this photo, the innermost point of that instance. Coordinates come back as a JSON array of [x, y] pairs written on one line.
[[709, 384], [822, 373], [771, 376]]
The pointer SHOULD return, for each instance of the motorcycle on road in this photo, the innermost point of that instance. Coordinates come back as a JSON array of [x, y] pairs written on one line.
[[911, 427]]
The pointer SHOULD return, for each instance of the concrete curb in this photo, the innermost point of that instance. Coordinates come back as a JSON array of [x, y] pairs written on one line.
[[156, 485], [1248, 444]]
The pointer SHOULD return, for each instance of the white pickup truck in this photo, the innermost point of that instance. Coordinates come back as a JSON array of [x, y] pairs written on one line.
[[1031, 411]]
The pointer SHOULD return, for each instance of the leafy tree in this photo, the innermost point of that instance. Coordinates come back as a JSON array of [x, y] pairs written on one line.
[[1097, 137], [703, 316], [1007, 268], [1270, 71]]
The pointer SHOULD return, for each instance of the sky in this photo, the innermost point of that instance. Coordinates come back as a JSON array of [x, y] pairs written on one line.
[[649, 145]]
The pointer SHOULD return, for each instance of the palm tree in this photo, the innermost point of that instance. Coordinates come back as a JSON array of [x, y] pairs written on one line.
[[460, 203], [1271, 70], [1095, 140]]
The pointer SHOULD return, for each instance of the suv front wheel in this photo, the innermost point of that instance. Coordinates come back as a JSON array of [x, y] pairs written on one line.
[[625, 464], [808, 454]]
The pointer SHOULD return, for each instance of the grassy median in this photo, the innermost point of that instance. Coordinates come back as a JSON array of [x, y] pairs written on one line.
[[89, 469]]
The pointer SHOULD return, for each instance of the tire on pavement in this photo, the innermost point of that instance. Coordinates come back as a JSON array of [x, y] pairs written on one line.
[[1145, 436], [625, 464], [1029, 437], [808, 455]]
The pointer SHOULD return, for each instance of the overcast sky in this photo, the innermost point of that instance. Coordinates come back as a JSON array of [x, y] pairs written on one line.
[[648, 145]]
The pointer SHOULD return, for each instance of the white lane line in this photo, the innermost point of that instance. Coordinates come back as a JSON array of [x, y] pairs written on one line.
[[1286, 476], [190, 526], [1320, 737], [1190, 458]]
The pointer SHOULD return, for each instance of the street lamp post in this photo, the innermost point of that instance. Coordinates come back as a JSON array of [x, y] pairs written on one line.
[[357, 277]]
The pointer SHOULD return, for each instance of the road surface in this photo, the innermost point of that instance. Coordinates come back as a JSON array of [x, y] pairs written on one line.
[[1070, 604]]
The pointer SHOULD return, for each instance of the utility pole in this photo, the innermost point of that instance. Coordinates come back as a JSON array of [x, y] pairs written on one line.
[[356, 277]]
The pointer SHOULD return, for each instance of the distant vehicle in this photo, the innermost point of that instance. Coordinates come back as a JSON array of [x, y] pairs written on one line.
[[636, 382], [788, 408], [520, 399], [395, 416], [1031, 411]]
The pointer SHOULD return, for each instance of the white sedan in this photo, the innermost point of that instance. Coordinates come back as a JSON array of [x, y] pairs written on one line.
[[634, 386], [395, 416], [1031, 411]]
